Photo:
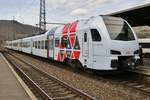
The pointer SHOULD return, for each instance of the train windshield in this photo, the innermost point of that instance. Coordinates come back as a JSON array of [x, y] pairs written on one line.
[[118, 29]]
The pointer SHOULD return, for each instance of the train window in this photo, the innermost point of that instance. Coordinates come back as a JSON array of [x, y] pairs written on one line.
[[20, 44], [76, 45], [51, 44], [38, 44], [118, 29], [64, 42], [95, 35], [25, 44], [42, 44], [85, 37], [35, 44], [46, 44], [68, 44], [56, 42], [28, 44]]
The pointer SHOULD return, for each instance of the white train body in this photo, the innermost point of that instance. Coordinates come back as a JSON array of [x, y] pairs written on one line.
[[27, 45], [100, 43], [39, 48]]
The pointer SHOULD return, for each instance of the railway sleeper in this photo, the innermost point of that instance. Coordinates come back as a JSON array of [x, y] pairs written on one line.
[[58, 90], [48, 82], [72, 96], [146, 89], [57, 87], [132, 84], [56, 94], [140, 86]]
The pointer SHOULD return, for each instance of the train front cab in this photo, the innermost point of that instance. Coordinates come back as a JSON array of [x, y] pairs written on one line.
[[109, 44]]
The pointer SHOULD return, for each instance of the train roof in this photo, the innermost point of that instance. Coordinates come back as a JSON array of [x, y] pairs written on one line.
[[82, 23], [51, 31]]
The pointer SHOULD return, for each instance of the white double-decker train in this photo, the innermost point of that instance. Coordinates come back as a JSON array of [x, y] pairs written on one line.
[[99, 43]]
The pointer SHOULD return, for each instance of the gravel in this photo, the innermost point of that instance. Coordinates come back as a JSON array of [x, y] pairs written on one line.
[[99, 88]]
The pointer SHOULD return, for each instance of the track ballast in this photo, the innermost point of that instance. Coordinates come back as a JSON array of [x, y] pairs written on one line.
[[44, 85]]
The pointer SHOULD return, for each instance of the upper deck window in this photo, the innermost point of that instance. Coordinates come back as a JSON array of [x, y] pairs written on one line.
[[118, 29]]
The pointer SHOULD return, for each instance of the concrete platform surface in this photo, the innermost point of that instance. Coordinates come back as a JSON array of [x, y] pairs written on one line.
[[10, 87]]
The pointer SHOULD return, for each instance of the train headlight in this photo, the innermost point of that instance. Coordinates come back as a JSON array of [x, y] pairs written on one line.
[[114, 52], [136, 52]]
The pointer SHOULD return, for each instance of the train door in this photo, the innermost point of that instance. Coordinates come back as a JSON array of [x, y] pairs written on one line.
[[87, 49], [51, 46], [98, 47], [56, 48]]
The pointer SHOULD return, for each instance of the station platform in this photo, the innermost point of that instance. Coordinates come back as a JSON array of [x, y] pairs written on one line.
[[11, 85]]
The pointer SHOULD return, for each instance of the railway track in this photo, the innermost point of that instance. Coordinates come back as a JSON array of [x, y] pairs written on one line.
[[44, 86], [129, 79], [133, 81]]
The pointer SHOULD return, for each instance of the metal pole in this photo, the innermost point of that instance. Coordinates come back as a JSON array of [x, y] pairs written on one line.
[[13, 24], [42, 17]]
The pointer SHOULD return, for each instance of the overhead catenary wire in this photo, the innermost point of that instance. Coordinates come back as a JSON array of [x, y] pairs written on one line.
[[28, 5], [63, 15]]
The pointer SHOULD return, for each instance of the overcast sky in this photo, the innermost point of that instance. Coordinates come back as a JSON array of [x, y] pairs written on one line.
[[27, 11]]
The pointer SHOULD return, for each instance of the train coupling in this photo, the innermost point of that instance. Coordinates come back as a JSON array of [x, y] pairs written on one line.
[[126, 63]]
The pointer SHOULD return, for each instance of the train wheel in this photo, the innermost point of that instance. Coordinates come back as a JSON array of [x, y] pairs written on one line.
[[78, 65]]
